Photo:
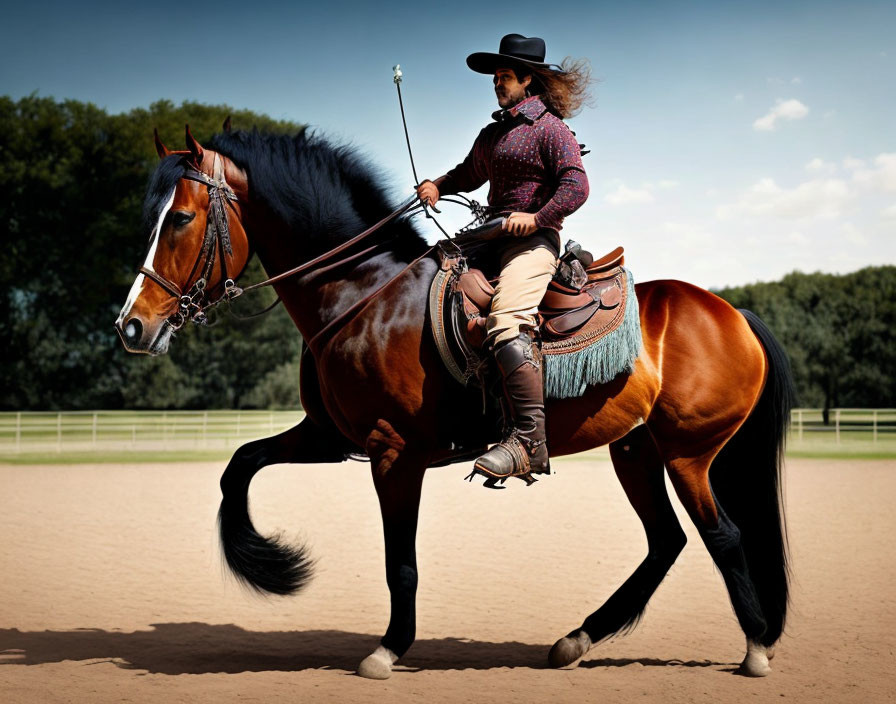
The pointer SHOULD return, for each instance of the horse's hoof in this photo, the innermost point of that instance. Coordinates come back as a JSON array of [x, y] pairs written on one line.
[[755, 663], [378, 665], [569, 650]]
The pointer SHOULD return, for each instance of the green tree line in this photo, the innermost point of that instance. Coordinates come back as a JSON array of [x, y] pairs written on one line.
[[72, 180], [838, 332]]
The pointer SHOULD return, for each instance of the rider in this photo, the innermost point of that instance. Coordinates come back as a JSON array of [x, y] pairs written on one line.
[[534, 167]]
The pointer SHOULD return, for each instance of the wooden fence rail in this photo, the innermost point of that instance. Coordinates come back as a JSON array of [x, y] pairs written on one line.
[[121, 430], [35, 432]]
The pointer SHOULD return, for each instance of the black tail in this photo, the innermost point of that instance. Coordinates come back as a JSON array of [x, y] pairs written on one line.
[[265, 564], [746, 478]]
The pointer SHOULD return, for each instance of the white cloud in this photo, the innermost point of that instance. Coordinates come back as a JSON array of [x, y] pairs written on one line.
[[644, 193], [791, 109], [623, 195], [889, 212], [853, 235], [818, 165], [739, 98], [853, 164], [688, 235], [818, 198], [780, 81], [665, 184], [881, 176]]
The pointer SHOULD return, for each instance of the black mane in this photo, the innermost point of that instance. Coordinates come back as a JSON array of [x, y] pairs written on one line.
[[324, 193]]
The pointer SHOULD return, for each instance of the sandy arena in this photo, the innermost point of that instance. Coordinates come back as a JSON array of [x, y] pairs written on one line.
[[113, 591]]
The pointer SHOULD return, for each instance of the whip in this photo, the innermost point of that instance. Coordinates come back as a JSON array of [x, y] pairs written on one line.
[[396, 78], [479, 212]]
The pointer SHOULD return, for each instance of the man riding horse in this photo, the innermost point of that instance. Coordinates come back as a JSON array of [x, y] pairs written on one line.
[[298, 201], [533, 164]]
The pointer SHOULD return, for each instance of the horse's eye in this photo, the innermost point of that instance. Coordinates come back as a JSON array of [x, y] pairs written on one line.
[[180, 218]]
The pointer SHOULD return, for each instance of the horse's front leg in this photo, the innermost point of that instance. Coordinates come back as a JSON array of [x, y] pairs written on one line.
[[398, 478]]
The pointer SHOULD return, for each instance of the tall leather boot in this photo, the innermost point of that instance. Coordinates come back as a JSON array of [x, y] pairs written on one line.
[[523, 450]]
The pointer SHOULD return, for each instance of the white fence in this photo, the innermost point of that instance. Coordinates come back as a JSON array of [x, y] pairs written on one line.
[[172, 431], [874, 425], [91, 431]]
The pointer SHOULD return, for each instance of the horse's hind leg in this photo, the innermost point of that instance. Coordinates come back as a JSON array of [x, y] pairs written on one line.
[[690, 477], [640, 470]]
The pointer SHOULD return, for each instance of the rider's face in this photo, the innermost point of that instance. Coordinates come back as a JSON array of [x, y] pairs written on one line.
[[508, 89]]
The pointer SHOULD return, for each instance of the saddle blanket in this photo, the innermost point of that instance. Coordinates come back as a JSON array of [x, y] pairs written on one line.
[[589, 336]]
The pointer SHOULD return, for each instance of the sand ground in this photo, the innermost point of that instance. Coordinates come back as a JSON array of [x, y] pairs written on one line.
[[113, 591]]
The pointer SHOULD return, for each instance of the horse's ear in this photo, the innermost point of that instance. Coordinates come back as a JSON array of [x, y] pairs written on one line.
[[160, 148], [195, 149], [226, 125]]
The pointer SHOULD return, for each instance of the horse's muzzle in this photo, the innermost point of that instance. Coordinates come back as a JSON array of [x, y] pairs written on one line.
[[134, 339], [131, 333]]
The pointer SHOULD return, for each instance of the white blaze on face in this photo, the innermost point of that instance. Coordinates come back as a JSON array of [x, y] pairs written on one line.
[[137, 286]]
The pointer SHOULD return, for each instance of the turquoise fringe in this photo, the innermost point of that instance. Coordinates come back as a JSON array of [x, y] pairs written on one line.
[[568, 375]]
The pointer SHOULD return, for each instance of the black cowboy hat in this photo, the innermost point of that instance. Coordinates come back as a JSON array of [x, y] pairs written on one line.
[[515, 50]]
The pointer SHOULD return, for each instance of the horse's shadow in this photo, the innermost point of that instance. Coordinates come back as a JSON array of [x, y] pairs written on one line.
[[198, 648]]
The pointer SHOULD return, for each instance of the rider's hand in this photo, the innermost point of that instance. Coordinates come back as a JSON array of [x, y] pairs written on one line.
[[520, 224], [428, 192]]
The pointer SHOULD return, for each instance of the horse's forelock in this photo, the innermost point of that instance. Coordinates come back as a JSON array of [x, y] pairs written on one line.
[[158, 191]]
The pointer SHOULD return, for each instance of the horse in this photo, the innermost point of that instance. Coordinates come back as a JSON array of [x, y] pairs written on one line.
[[708, 400]]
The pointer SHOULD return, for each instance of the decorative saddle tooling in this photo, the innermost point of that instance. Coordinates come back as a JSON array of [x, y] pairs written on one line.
[[590, 329]]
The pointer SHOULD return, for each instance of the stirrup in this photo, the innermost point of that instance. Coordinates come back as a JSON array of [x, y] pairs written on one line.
[[521, 466], [491, 482]]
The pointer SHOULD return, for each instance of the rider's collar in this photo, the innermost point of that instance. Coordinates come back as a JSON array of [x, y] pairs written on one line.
[[531, 109]]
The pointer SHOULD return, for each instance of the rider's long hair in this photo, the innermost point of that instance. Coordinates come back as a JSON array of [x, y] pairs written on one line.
[[562, 93]]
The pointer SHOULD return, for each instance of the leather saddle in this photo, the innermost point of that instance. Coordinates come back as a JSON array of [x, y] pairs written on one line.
[[576, 311]]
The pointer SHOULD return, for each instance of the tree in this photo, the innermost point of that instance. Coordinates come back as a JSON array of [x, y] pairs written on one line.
[[73, 179], [838, 332]]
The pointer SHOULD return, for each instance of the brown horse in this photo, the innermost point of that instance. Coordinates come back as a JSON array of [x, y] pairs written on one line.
[[709, 396]]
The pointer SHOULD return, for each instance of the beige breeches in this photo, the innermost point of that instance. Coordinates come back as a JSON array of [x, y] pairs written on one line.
[[525, 275]]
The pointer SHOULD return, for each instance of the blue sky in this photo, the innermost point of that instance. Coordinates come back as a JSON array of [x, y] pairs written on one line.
[[730, 142]]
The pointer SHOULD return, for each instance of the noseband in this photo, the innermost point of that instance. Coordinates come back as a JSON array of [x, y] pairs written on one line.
[[193, 304]]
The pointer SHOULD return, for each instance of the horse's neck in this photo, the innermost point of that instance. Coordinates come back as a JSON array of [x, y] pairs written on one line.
[[316, 299]]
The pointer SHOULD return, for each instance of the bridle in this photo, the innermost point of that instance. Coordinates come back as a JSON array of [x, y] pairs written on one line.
[[193, 303]]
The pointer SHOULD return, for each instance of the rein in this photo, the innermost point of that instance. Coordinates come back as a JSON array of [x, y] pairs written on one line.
[[403, 208], [193, 304]]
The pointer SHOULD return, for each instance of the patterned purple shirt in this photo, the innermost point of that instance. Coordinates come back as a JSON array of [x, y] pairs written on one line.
[[532, 162]]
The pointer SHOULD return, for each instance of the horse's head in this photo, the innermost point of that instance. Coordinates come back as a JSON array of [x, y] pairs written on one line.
[[197, 245]]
